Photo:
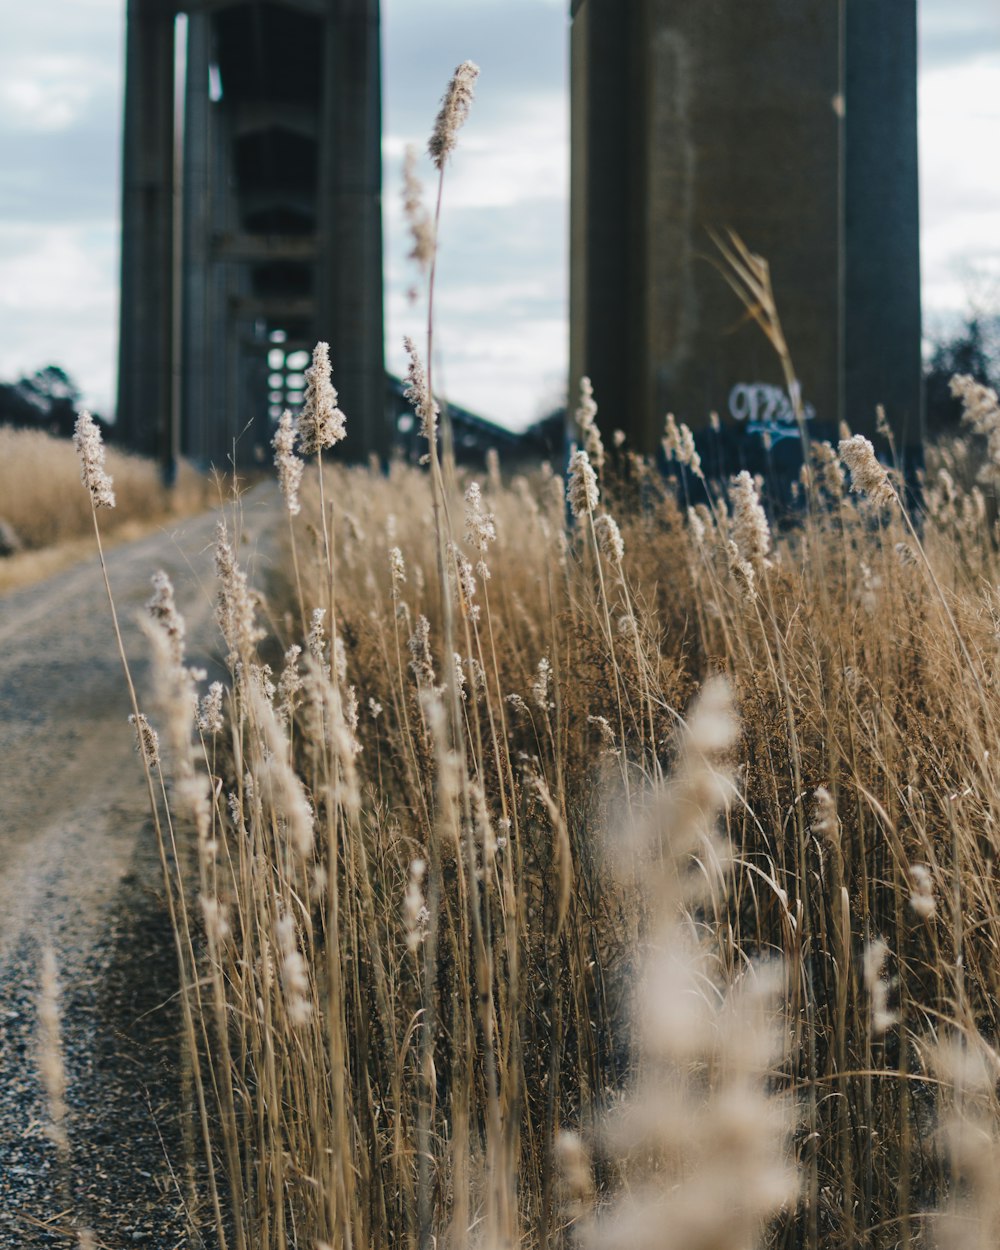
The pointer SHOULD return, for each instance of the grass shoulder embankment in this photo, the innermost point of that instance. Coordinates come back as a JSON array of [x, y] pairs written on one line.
[[42, 503]]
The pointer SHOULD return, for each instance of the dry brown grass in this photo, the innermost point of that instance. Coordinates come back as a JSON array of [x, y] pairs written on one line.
[[40, 493], [385, 1074], [475, 915]]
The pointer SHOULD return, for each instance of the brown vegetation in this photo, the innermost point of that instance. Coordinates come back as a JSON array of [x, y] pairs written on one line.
[[41, 499], [624, 879]]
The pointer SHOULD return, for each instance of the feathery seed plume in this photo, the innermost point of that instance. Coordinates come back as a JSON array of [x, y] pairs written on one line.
[[875, 955], [214, 915], [742, 570], [315, 639], [236, 611], [480, 525], [90, 449], [288, 464], [750, 530], [417, 218], [825, 821], [420, 649], [583, 492], [210, 709], [321, 423], [294, 973], [466, 584], [702, 1140], [609, 538], [397, 571], [831, 476], [586, 420], [418, 393], [905, 554], [540, 685], [415, 914], [289, 685], [575, 1174], [981, 411], [868, 477], [162, 607], [922, 891], [455, 108], [147, 742], [678, 444]]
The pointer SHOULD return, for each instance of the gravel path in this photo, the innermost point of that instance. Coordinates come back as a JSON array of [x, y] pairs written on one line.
[[78, 870]]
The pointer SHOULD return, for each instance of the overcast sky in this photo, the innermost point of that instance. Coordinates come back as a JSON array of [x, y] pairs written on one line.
[[503, 277]]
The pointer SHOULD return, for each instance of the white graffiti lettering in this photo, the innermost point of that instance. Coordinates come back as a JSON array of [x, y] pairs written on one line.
[[766, 406]]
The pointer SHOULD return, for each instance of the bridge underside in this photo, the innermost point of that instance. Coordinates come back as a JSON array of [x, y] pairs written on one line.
[[255, 228]]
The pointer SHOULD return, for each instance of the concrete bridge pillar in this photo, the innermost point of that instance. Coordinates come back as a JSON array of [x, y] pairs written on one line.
[[263, 236], [792, 122], [146, 343]]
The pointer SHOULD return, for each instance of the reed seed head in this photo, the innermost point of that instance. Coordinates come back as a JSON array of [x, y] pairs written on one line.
[[210, 709], [162, 608], [868, 476], [750, 530], [584, 494], [609, 538], [147, 742], [586, 420], [417, 218], [415, 914], [90, 449], [873, 966], [480, 525], [288, 464], [418, 393], [321, 423], [455, 107], [922, 899]]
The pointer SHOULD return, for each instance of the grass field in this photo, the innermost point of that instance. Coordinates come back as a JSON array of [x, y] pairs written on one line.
[[41, 500], [572, 882], [587, 862]]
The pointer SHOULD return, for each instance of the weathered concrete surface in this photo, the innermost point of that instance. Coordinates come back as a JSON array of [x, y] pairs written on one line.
[[792, 123]]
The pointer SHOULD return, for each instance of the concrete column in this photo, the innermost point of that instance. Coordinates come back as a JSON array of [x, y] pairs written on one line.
[[608, 127], [145, 363], [882, 316], [200, 326], [350, 220], [721, 114]]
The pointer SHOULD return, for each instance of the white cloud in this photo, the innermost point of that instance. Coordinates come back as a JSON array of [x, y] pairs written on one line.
[[960, 180], [50, 92], [58, 304]]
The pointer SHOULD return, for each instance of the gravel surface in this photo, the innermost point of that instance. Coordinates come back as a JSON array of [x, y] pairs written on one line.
[[79, 871]]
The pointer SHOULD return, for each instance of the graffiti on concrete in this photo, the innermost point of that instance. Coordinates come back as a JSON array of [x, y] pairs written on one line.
[[767, 409]]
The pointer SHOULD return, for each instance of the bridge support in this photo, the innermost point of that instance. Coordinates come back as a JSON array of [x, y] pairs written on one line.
[[277, 241], [792, 123], [146, 340]]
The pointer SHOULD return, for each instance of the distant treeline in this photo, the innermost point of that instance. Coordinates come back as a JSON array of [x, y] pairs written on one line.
[[47, 400]]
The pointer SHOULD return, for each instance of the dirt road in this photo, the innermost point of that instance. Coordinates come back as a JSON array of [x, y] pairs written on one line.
[[78, 870]]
